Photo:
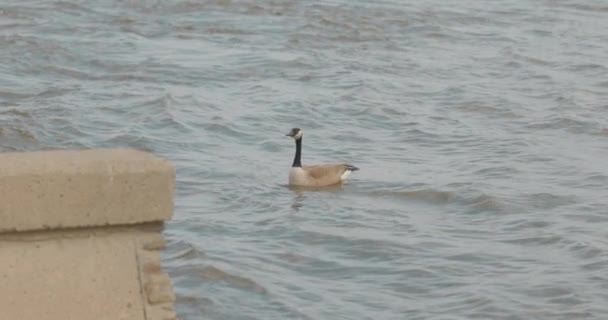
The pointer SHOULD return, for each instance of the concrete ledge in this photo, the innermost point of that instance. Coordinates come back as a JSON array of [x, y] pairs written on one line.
[[67, 189], [80, 235]]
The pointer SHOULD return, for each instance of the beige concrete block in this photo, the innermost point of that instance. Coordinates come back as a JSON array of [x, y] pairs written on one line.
[[70, 278], [65, 189], [157, 287]]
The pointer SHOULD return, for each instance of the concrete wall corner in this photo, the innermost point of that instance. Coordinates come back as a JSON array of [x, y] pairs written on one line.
[[81, 235]]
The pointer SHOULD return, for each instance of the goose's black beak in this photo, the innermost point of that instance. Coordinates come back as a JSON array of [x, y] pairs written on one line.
[[289, 134]]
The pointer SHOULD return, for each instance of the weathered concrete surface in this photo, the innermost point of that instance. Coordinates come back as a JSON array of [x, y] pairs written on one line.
[[100, 273], [65, 189], [90, 278], [94, 253]]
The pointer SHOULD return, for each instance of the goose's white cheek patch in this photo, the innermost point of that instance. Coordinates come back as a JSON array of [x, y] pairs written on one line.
[[345, 175]]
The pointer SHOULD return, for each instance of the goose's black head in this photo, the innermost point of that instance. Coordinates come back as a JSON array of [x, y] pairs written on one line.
[[295, 133]]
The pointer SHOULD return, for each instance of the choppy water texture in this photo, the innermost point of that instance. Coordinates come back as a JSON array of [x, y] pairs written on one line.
[[480, 127]]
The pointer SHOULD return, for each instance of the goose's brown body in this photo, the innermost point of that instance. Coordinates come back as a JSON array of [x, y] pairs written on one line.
[[319, 175]]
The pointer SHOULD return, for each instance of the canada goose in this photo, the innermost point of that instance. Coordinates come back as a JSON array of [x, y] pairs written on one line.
[[316, 175]]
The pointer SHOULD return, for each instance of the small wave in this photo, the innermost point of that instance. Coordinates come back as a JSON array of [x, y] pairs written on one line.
[[485, 203], [586, 251], [549, 201], [529, 59], [184, 251], [601, 69], [395, 112], [216, 274], [595, 266], [499, 171], [423, 195], [577, 126], [193, 269], [15, 112], [525, 224], [489, 110], [534, 240], [72, 72], [193, 300], [548, 291], [192, 305], [48, 93], [295, 258], [227, 31], [328, 25], [588, 7], [76, 9], [127, 140], [224, 130], [22, 133], [477, 201]]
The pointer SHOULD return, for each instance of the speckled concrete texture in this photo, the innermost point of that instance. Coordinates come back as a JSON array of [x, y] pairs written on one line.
[[81, 234], [96, 273], [78, 278], [66, 189]]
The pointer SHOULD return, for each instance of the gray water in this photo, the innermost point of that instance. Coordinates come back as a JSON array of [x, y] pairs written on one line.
[[480, 127]]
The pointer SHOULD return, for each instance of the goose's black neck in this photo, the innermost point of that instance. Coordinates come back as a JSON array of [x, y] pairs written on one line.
[[296, 160]]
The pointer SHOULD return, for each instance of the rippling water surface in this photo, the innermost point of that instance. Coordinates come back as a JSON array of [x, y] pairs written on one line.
[[480, 127]]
